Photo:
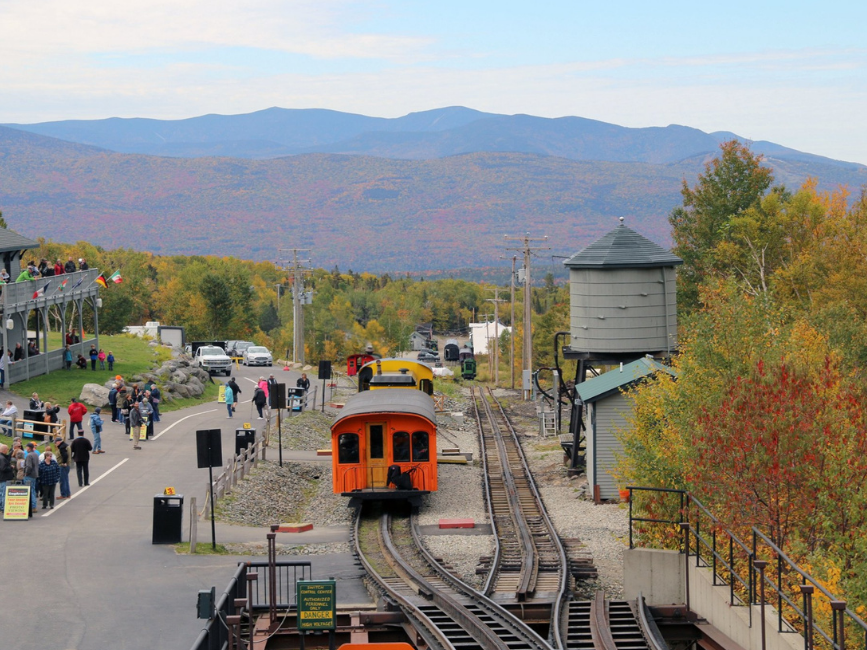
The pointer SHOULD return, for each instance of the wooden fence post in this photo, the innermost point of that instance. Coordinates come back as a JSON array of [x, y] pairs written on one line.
[[194, 520]]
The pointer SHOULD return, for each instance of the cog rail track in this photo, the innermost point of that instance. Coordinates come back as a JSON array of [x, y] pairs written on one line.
[[530, 561], [446, 613]]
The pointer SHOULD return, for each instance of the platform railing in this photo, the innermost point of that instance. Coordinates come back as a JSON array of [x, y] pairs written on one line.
[[756, 574]]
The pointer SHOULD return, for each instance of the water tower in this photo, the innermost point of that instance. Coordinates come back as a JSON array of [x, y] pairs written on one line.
[[623, 299]]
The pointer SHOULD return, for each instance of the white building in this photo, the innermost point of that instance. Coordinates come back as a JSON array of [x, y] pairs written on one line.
[[480, 333]]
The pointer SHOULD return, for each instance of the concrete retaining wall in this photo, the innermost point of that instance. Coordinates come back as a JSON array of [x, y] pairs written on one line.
[[658, 575]]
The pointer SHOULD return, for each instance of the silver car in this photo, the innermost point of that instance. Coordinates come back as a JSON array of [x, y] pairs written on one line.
[[257, 355]]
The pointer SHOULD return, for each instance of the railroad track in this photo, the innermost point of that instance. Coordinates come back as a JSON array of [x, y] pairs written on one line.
[[530, 560], [446, 613]]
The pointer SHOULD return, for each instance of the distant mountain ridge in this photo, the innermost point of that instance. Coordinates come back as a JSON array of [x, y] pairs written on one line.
[[426, 135], [359, 212]]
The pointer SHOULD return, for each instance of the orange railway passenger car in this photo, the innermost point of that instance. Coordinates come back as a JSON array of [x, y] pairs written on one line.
[[384, 447]]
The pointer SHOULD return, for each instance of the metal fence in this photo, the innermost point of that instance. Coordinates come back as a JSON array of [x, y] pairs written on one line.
[[248, 592], [757, 573]]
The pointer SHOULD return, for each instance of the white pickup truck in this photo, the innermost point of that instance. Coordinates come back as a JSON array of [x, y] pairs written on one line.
[[213, 359]]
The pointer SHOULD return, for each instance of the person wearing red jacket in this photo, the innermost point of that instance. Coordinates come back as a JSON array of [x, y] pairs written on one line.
[[76, 411]]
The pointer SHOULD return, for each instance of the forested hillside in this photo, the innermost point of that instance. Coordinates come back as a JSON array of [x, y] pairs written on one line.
[[364, 213]]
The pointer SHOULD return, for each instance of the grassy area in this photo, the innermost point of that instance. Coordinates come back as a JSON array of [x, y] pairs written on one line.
[[132, 355], [202, 548]]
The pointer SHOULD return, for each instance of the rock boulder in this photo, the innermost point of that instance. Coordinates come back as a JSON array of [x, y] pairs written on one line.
[[94, 394]]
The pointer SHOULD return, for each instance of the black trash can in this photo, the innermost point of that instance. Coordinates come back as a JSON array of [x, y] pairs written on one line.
[[168, 519], [243, 439], [39, 418]]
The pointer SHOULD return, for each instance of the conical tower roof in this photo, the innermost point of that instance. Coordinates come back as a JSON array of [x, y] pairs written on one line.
[[622, 248]]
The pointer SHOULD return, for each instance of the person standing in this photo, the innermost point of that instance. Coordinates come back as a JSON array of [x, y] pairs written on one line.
[[76, 411], [272, 390], [110, 359], [96, 429], [67, 358], [51, 412], [7, 473], [2, 368], [112, 402], [230, 399], [101, 356], [94, 355], [155, 402], [303, 382], [19, 353], [126, 405], [58, 268], [147, 412], [264, 386], [31, 473], [49, 476], [36, 404], [69, 267], [81, 449], [134, 423], [63, 461], [259, 399]]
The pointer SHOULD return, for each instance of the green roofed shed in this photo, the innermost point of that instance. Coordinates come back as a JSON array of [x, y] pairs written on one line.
[[606, 414]]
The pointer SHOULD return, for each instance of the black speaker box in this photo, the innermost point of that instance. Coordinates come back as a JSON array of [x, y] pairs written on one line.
[[208, 448], [278, 396], [324, 370]]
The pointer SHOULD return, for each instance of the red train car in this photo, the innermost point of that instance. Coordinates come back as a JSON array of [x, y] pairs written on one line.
[[354, 362], [384, 447]]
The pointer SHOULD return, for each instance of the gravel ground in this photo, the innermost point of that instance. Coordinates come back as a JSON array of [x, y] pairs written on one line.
[[261, 548], [296, 492]]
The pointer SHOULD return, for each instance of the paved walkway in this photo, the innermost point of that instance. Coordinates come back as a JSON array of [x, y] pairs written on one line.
[[85, 575]]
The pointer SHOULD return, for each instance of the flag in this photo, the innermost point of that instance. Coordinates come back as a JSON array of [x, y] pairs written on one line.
[[41, 292], [101, 281], [63, 285], [75, 286], [115, 277]]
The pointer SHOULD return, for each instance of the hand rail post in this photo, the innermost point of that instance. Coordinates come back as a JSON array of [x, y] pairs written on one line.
[[838, 608], [760, 565], [713, 554], [779, 593], [684, 526], [631, 545], [807, 590]]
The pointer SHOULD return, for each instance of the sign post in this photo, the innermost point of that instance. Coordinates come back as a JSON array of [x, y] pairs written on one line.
[[209, 454], [317, 606], [17, 503]]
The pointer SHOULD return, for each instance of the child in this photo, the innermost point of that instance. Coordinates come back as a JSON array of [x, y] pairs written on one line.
[[110, 359], [96, 429], [101, 356]]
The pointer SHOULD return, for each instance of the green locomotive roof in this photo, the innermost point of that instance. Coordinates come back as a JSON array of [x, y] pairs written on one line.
[[396, 400]]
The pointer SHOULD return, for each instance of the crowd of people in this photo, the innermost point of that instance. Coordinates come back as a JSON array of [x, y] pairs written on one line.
[[44, 269], [135, 407]]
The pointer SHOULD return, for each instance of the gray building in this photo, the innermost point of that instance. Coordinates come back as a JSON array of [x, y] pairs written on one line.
[[622, 298], [44, 312], [606, 409]]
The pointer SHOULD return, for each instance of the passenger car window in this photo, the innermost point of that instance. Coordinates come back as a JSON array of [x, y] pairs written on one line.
[[400, 447], [347, 448], [420, 447]]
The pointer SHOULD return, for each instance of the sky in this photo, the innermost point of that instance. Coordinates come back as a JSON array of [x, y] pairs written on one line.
[[794, 73]]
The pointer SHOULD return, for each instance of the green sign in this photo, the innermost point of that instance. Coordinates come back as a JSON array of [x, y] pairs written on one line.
[[317, 604]]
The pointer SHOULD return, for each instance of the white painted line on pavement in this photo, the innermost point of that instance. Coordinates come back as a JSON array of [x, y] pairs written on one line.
[[169, 428], [84, 489]]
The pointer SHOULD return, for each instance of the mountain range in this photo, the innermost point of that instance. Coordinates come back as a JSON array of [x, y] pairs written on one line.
[[428, 191]]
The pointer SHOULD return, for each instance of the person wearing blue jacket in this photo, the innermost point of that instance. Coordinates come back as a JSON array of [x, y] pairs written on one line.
[[230, 400], [96, 430]]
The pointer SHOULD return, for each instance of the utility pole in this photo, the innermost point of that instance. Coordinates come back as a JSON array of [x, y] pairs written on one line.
[[297, 269], [495, 354], [512, 323], [527, 250]]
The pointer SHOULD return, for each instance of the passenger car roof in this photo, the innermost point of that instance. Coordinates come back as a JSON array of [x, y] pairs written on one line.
[[388, 400]]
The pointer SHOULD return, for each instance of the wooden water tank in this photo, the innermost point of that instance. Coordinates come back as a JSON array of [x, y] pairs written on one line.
[[623, 296]]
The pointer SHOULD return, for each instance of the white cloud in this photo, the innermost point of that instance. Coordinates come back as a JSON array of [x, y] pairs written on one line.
[[315, 28]]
